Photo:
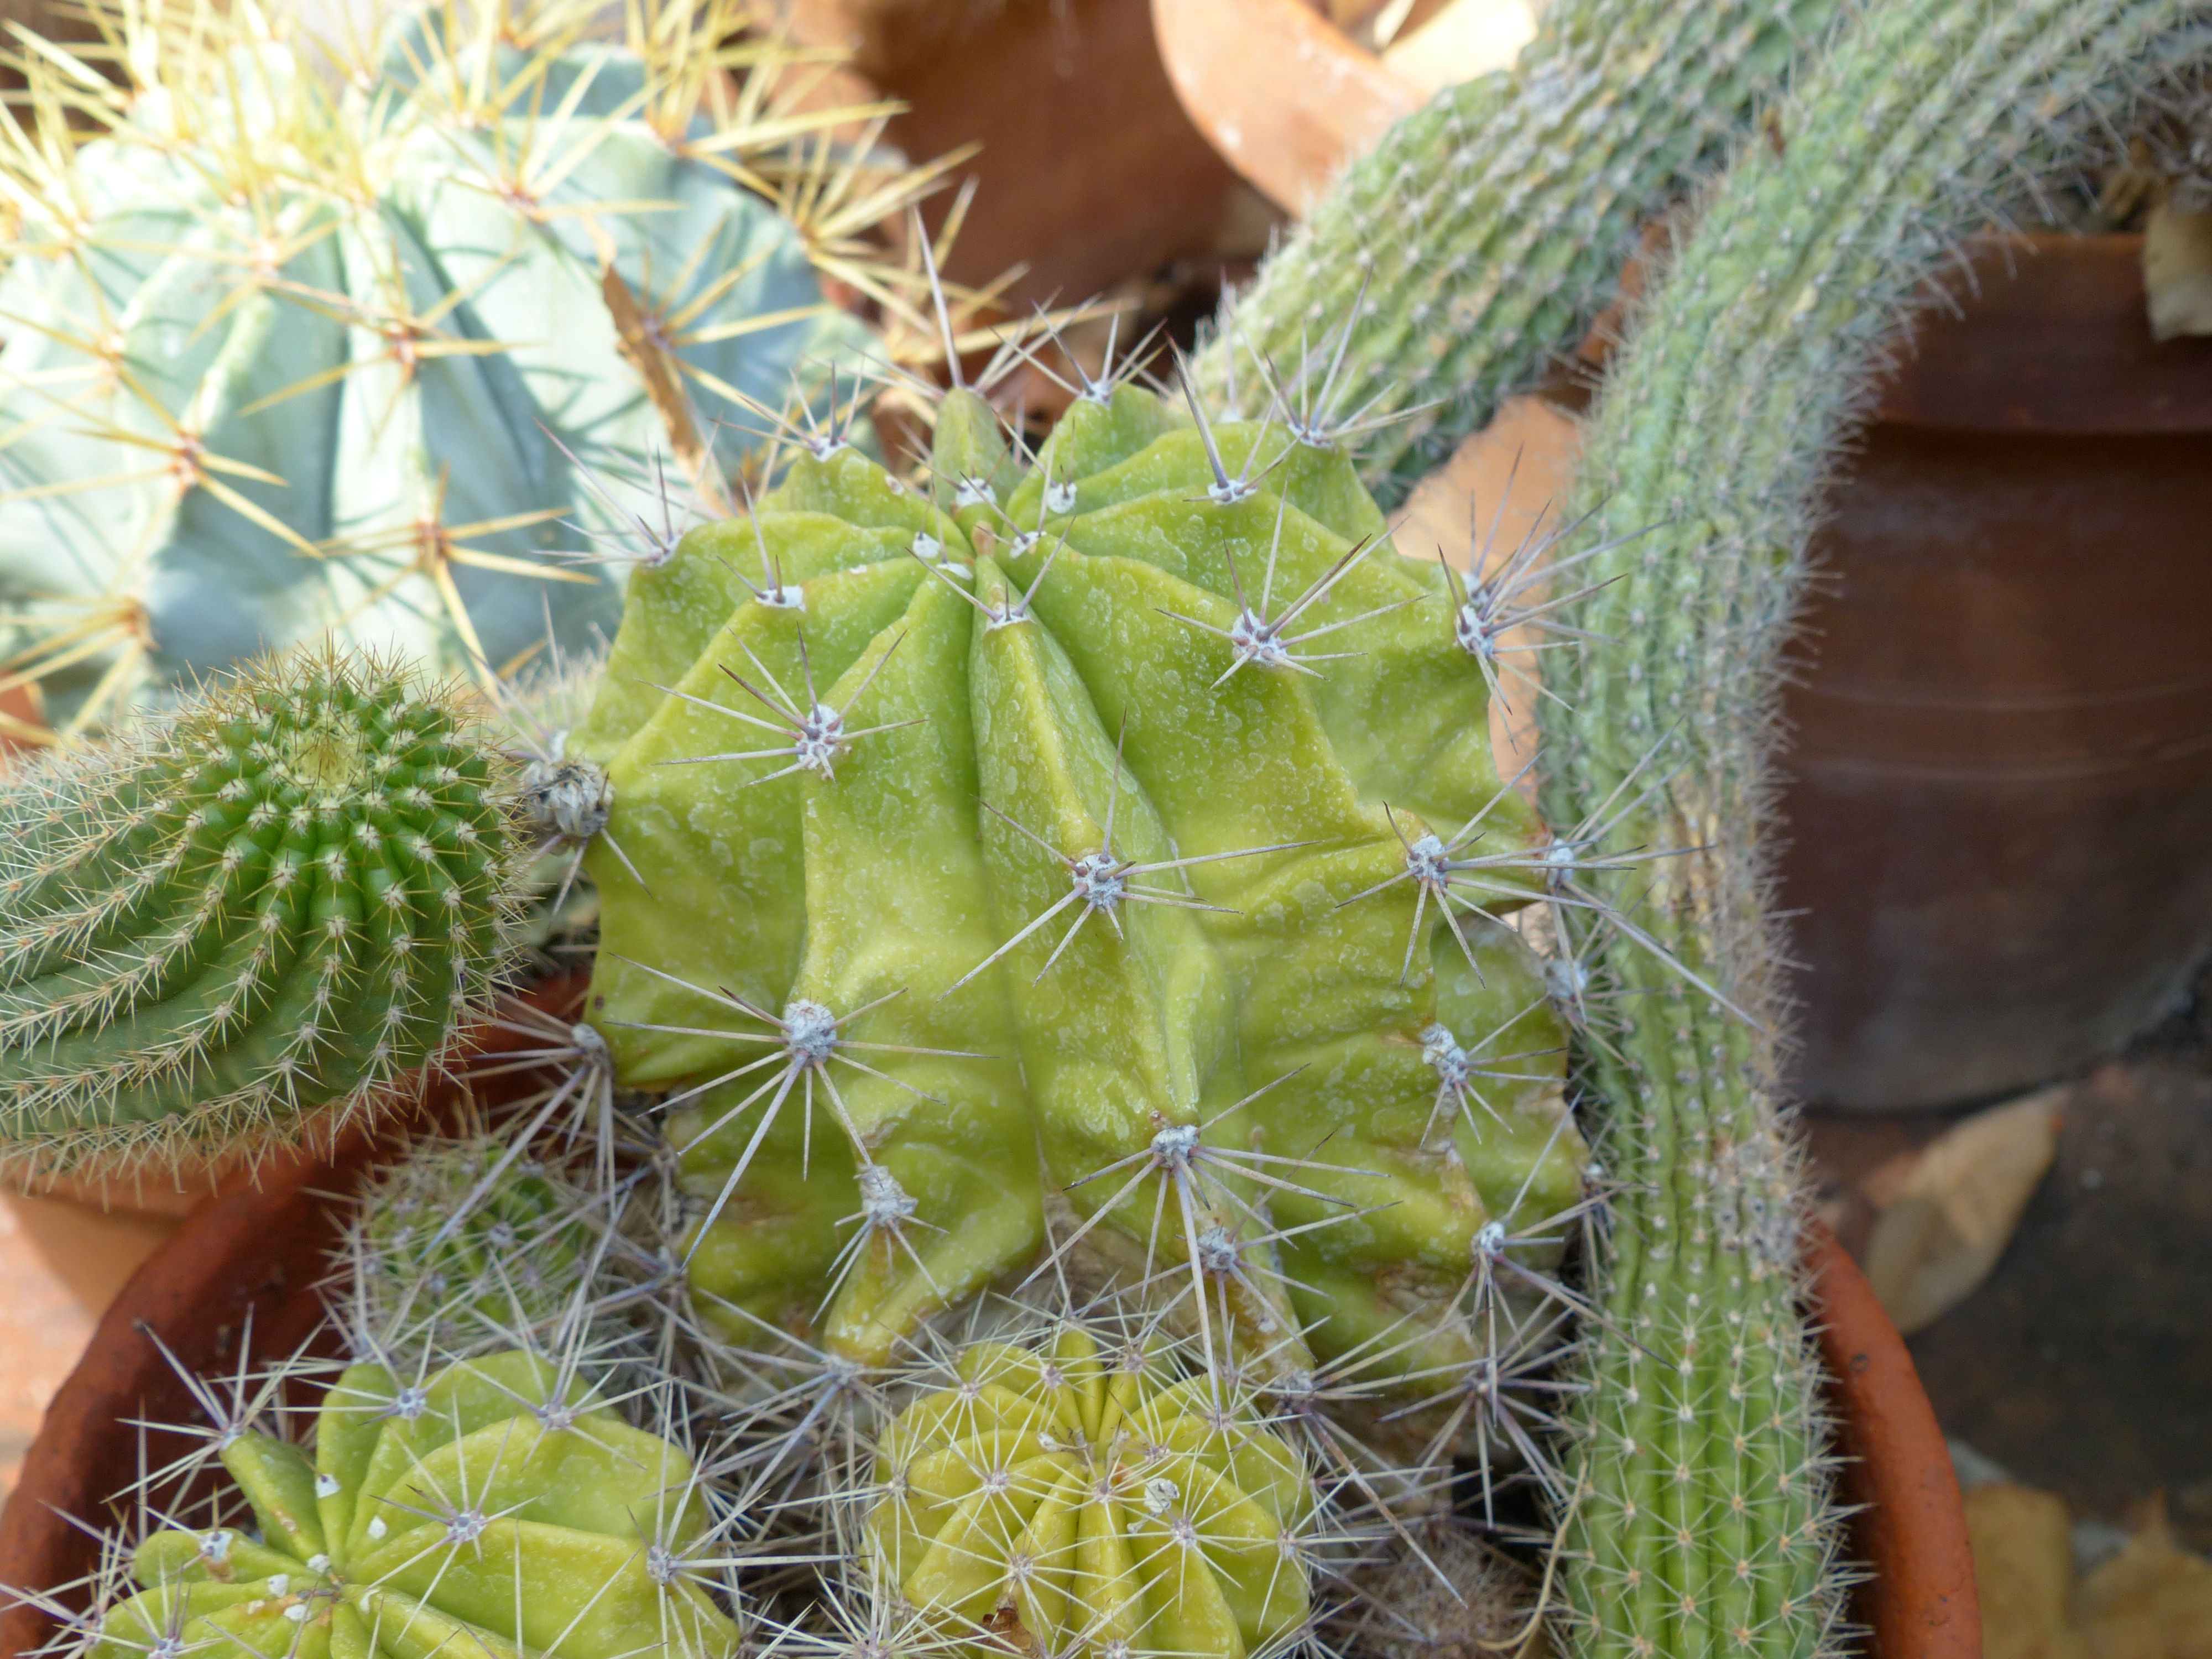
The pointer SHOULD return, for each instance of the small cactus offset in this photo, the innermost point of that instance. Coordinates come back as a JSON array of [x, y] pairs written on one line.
[[1701, 1519], [303, 350], [491, 1507], [269, 904], [1123, 823], [1065, 1497], [465, 1248], [1482, 237]]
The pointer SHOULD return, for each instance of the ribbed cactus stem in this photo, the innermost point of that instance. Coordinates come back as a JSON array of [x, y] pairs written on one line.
[[1487, 230], [1703, 1524], [276, 900]]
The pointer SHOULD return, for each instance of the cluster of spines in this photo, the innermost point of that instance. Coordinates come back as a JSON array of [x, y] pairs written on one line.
[[1702, 1518], [1484, 233], [274, 901]]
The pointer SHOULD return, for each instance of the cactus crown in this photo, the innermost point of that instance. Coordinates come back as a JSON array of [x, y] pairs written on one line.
[[1068, 1498], [1117, 824], [275, 900]]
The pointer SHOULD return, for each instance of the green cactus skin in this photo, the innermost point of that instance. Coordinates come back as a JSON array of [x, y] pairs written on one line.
[[487, 1510], [1704, 1525], [1068, 1499], [1481, 238], [462, 1252], [273, 901], [284, 364], [958, 652]]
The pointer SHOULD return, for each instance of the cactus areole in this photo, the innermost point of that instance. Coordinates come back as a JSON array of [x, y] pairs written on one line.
[[489, 1509], [1121, 826]]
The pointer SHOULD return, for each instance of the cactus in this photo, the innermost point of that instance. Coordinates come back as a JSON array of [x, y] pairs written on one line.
[[1063, 1497], [465, 1247], [494, 1507], [1701, 1523], [286, 363], [1134, 807], [1482, 237], [256, 911]]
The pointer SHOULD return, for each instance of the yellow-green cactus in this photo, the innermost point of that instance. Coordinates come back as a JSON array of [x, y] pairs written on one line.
[[487, 1511], [1118, 810], [1067, 1500]]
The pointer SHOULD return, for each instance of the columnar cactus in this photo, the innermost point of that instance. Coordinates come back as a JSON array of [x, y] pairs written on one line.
[[1482, 236], [271, 902], [1064, 1498], [285, 363], [1124, 823], [494, 1507], [1702, 1522]]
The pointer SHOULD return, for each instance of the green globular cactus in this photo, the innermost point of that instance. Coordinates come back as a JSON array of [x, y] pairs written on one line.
[[285, 363], [1066, 1498], [1479, 241], [1123, 824], [462, 1248], [491, 1508], [265, 906], [1702, 1522]]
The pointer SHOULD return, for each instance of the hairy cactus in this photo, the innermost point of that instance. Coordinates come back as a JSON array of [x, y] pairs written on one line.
[[1482, 235], [1702, 1524], [285, 363], [494, 1507], [1062, 1499], [271, 902], [1124, 823]]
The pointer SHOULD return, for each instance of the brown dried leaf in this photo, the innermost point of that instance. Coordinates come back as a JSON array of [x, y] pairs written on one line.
[[2023, 1563], [2152, 1600], [1948, 1210]]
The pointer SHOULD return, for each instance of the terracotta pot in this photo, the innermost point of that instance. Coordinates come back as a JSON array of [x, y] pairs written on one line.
[[1919, 1600], [1089, 170], [254, 1252], [2002, 771], [259, 1250], [1286, 99]]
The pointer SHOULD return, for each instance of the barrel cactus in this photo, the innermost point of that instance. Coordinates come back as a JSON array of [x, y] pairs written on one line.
[[1063, 1497], [495, 1506], [1121, 827], [261, 907], [287, 362]]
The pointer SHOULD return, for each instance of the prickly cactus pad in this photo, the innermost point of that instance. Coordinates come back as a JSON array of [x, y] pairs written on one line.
[[1083, 811], [1074, 1500], [487, 1510], [277, 899]]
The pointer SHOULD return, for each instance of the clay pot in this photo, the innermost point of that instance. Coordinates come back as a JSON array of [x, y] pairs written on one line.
[[1286, 99], [248, 1258], [1910, 1530], [2002, 771], [1089, 171]]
